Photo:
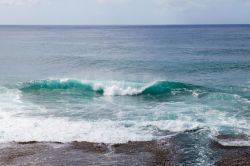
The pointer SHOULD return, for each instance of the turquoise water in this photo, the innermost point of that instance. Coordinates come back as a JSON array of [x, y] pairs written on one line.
[[116, 84]]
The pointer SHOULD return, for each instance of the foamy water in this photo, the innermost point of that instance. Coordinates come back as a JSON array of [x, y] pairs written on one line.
[[23, 118]]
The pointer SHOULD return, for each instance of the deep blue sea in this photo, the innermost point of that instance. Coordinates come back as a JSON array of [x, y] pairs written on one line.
[[115, 84]]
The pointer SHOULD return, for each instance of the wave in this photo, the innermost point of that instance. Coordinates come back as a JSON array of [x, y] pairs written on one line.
[[113, 88]]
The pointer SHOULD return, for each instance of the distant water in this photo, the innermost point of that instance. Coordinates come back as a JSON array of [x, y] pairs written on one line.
[[116, 84]]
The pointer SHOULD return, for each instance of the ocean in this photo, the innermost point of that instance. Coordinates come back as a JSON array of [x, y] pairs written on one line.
[[114, 84]]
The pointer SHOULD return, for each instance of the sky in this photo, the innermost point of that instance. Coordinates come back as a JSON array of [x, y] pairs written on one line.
[[123, 12]]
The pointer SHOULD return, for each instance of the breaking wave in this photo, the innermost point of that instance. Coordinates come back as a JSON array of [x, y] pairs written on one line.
[[113, 88]]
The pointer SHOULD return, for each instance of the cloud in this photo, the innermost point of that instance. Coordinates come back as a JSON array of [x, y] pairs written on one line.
[[18, 2], [112, 1], [124, 11], [184, 4]]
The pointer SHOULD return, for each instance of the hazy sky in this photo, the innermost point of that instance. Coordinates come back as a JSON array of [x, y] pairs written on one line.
[[124, 11]]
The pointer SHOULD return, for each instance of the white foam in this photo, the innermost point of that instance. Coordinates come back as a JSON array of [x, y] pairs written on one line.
[[235, 142], [10, 101], [116, 88], [63, 130], [26, 128]]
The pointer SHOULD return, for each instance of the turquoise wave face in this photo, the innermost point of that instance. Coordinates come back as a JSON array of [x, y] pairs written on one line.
[[165, 87], [114, 88], [57, 84]]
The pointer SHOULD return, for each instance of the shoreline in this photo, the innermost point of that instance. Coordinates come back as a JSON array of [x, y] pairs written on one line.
[[87, 153], [148, 153]]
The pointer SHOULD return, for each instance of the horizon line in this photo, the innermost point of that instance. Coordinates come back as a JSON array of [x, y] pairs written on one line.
[[121, 24]]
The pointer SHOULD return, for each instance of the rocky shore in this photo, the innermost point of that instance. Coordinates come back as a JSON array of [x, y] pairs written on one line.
[[148, 153], [85, 153]]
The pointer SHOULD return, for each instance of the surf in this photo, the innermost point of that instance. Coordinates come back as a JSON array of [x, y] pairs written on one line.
[[112, 88]]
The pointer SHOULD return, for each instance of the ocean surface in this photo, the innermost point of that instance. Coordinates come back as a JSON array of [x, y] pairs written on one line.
[[114, 84]]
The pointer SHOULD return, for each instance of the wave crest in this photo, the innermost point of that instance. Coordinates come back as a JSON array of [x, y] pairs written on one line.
[[112, 88]]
